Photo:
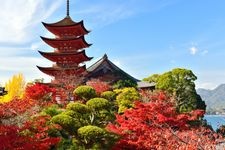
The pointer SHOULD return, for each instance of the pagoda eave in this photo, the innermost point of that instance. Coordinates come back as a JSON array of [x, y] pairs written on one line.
[[59, 26], [72, 57], [74, 43], [67, 21], [58, 29], [56, 71]]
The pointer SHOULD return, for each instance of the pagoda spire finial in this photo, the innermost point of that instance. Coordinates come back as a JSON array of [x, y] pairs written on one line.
[[68, 8]]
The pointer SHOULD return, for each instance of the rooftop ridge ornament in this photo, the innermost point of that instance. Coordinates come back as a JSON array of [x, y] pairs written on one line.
[[68, 8]]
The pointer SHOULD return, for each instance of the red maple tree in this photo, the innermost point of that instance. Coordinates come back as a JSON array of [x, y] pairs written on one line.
[[15, 107], [157, 125], [38, 91], [98, 85], [33, 135]]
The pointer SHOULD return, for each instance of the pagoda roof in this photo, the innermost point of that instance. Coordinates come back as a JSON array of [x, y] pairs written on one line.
[[67, 21], [71, 27], [54, 71], [75, 57], [105, 64], [75, 43]]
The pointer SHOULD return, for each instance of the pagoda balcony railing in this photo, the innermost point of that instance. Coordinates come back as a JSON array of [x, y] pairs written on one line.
[[66, 36], [67, 50], [65, 65]]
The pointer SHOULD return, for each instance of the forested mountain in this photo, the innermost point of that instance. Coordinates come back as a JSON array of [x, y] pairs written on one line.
[[215, 99]]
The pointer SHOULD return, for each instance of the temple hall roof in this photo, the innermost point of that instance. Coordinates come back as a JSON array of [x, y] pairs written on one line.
[[105, 64]]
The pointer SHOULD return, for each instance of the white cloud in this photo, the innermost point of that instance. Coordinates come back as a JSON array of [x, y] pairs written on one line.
[[19, 26], [206, 85], [36, 46], [19, 18], [25, 65], [210, 79], [12, 51], [193, 50]]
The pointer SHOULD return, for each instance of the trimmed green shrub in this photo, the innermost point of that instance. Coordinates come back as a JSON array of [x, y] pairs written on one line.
[[72, 114], [122, 109], [67, 122], [128, 94], [98, 103], [83, 118], [91, 133], [126, 103], [78, 107], [85, 92], [124, 83], [70, 144], [109, 95], [96, 138], [105, 116], [52, 110], [126, 97]]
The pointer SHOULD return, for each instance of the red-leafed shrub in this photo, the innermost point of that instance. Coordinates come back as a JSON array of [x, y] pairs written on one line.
[[34, 135], [39, 91], [157, 125], [99, 86], [35, 94], [15, 107], [10, 138]]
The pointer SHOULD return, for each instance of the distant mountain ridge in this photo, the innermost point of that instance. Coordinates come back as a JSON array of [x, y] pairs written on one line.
[[214, 99]]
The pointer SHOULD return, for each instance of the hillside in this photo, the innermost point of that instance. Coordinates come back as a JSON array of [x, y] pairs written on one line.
[[215, 99]]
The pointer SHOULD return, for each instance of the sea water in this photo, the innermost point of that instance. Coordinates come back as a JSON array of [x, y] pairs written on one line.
[[215, 120]]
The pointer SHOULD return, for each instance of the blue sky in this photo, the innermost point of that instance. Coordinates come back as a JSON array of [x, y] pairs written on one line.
[[142, 37]]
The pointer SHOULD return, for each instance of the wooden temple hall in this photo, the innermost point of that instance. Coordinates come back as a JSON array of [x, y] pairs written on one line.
[[69, 57]]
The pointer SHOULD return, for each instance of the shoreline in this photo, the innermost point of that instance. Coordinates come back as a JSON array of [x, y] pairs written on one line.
[[214, 115]]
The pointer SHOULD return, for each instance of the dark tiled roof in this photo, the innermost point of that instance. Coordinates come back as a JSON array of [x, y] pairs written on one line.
[[143, 84], [112, 66]]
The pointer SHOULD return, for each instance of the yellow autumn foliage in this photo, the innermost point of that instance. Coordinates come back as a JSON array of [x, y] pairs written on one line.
[[15, 87]]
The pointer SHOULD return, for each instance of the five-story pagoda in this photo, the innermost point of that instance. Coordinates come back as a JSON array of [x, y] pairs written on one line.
[[69, 48]]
